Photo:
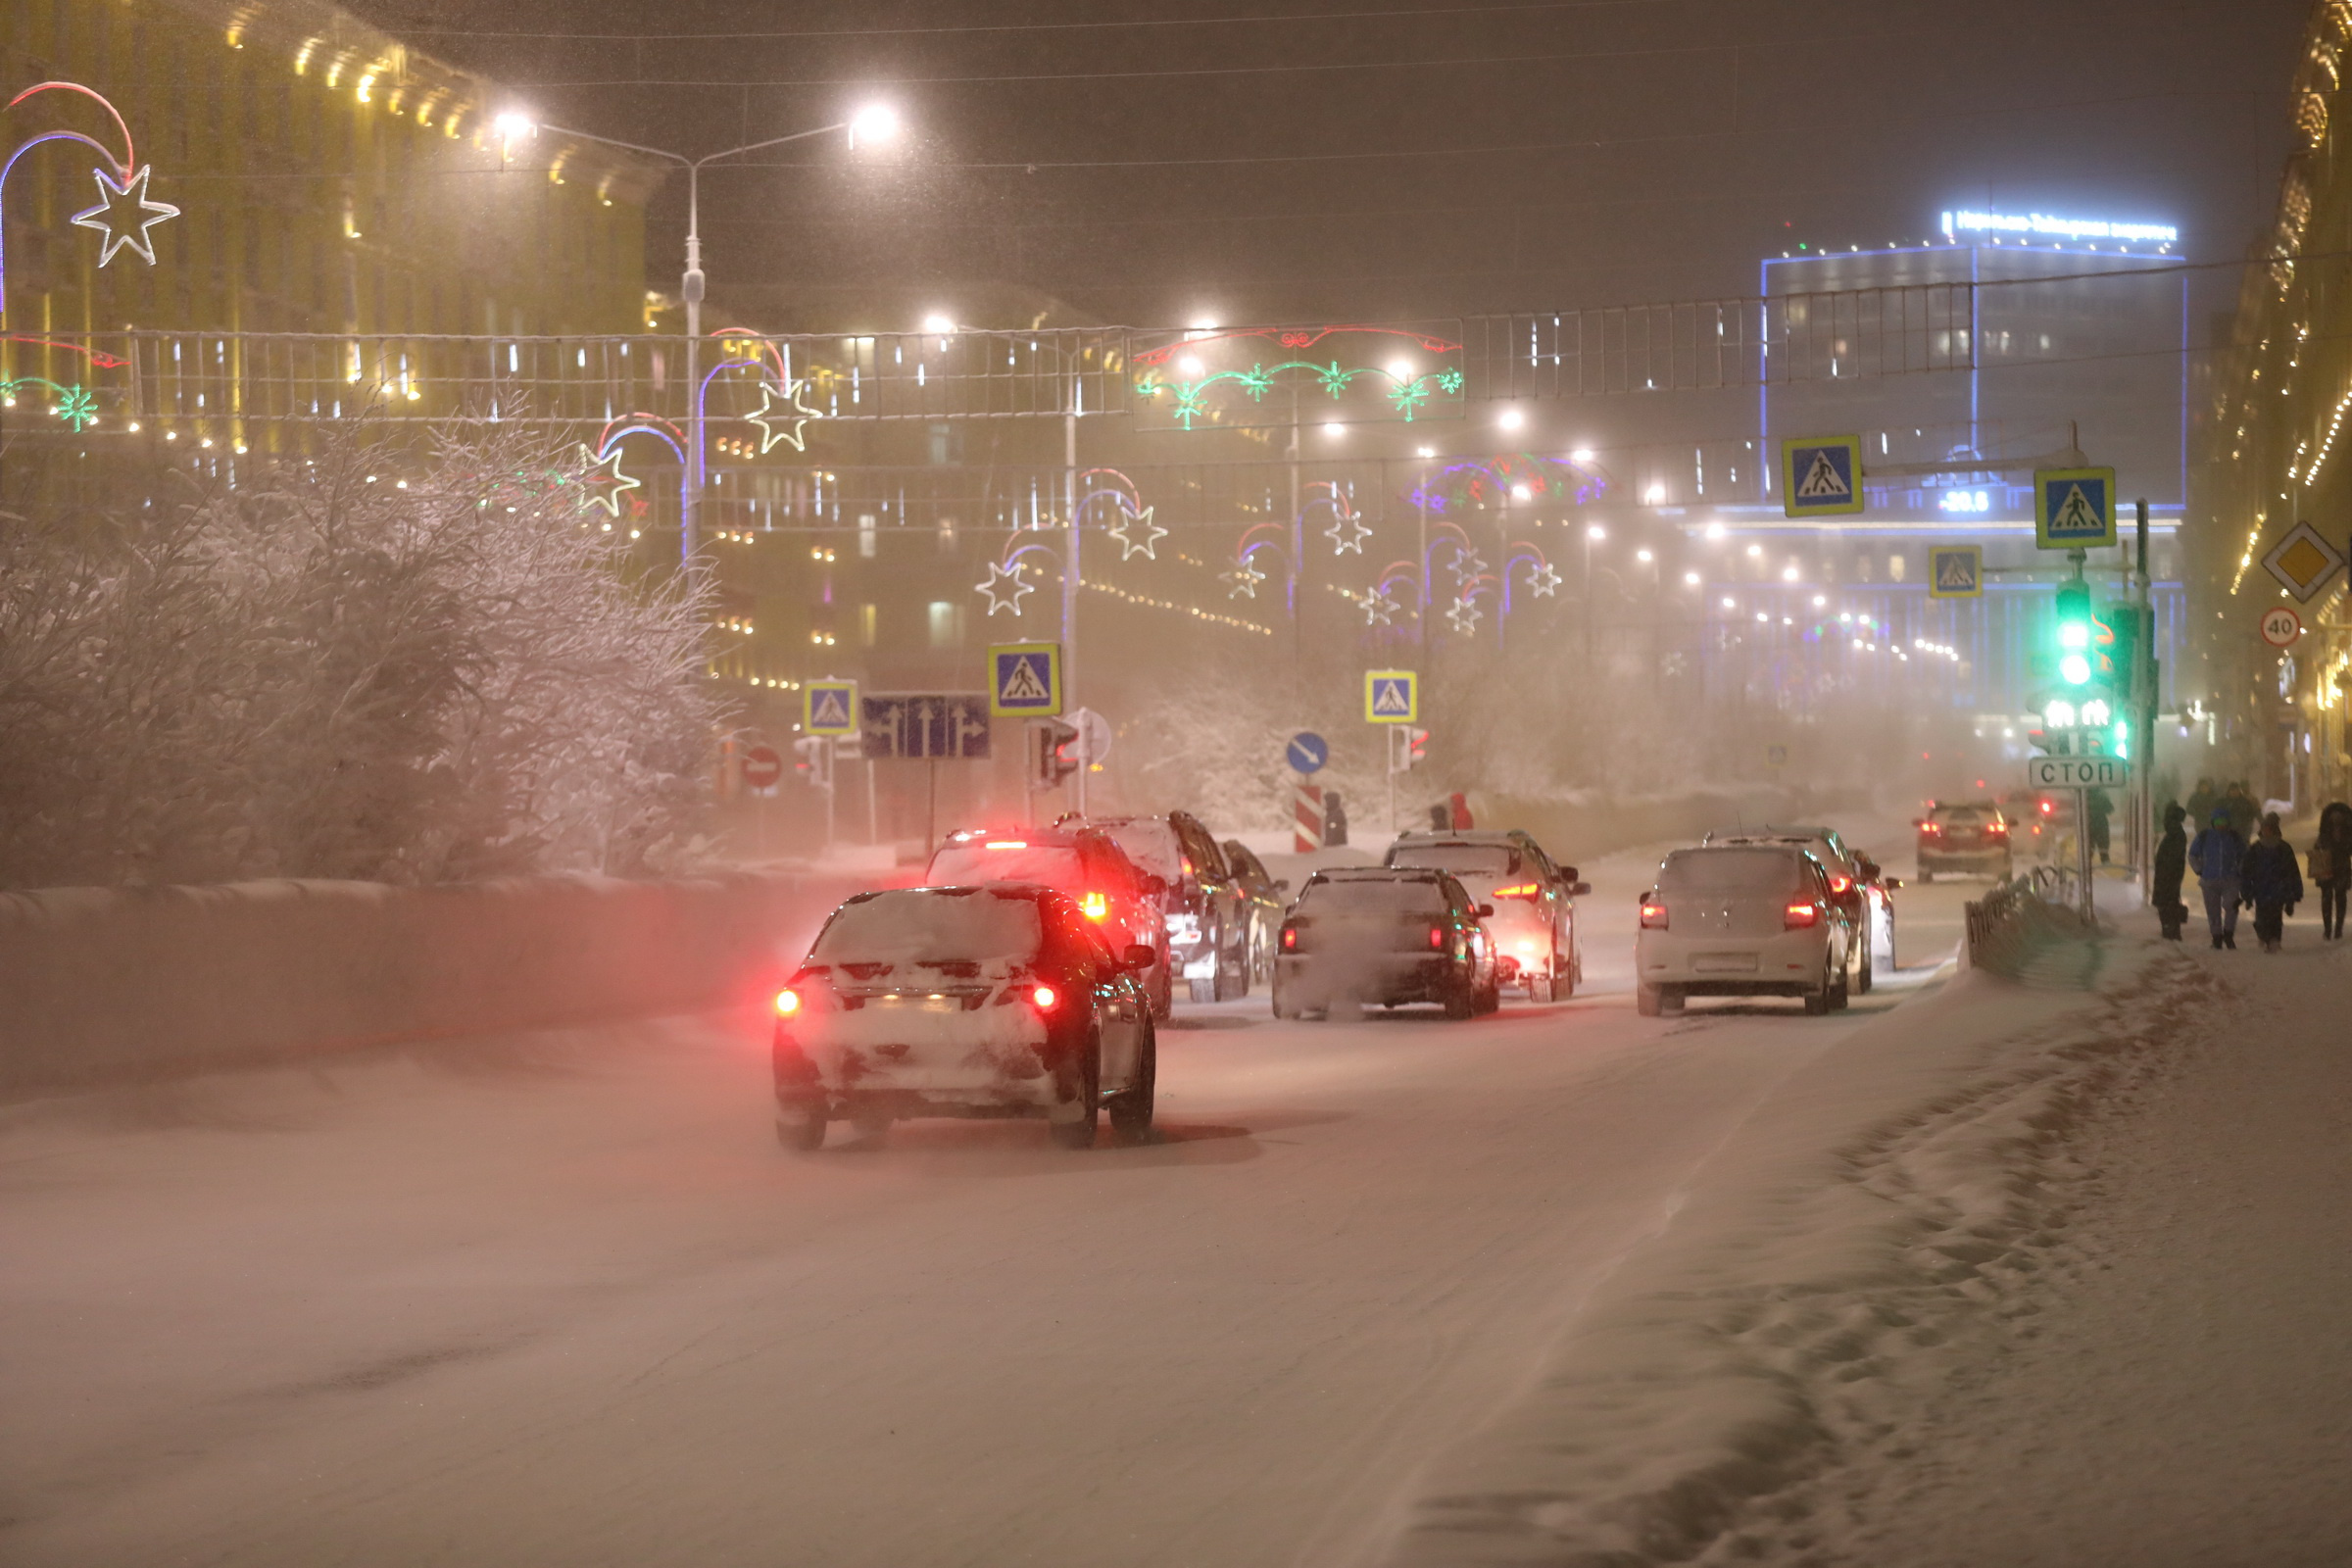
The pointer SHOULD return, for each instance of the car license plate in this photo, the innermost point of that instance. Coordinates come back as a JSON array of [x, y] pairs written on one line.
[[1724, 964]]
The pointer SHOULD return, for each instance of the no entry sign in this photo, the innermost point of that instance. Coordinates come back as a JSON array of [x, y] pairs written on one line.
[[763, 768]]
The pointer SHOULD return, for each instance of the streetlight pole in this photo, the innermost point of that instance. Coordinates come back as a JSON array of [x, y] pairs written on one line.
[[875, 122]]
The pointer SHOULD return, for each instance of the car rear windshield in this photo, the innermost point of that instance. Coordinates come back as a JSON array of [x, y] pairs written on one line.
[[1151, 845], [1057, 865], [1758, 871], [1462, 859], [926, 926], [1371, 896], [1959, 816]]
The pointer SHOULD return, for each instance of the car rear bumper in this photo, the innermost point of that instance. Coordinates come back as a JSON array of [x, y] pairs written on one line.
[[966, 1065], [1317, 980], [1790, 964]]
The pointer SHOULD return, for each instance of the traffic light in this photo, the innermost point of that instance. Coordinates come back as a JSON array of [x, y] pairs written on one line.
[[1052, 752], [1409, 748], [816, 759], [2073, 633]]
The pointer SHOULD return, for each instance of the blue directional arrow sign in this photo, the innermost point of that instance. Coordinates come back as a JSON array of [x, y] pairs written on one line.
[[1307, 752]]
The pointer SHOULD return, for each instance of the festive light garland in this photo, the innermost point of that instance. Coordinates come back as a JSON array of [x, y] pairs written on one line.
[[1006, 585], [1406, 393], [74, 404], [124, 212], [1493, 482]]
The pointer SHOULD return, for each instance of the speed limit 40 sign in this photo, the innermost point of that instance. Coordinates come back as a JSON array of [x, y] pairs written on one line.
[[2280, 626]]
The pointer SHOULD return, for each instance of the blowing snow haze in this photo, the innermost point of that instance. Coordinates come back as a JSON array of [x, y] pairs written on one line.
[[1329, 784]]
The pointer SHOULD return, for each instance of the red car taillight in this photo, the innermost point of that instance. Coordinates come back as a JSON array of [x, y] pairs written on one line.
[[1437, 938], [1996, 832], [1653, 916], [1930, 830], [1290, 939], [1045, 997], [788, 1002], [1524, 890], [1095, 906], [1801, 917], [1839, 885]]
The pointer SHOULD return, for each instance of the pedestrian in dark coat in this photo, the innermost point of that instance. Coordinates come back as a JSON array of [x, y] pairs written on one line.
[[2272, 883], [2214, 854], [2244, 814], [2201, 801], [2101, 811], [2172, 864], [2332, 867]]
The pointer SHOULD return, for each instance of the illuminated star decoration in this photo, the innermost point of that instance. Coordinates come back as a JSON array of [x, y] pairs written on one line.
[[1005, 586], [1131, 546], [76, 407], [124, 215], [1467, 562], [1347, 533], [1379, 608], [604, 481], [792, 412], [1464, 616], [1543, 580], [1245, 578]]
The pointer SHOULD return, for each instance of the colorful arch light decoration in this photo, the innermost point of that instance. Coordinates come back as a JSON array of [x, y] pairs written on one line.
[[1461, 486], [1173, 372], [75, 404], [124, 212], [604, 481], [1136, 533]]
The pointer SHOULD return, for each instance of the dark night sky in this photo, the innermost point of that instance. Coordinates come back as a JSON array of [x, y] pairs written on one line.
[[1517, 156]]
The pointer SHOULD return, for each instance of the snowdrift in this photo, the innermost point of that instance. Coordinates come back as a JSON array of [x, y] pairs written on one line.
[[104, 984], [1847, 1248]]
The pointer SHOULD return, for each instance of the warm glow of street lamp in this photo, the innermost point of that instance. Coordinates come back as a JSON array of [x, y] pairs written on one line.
[[1511, 418], [874, 123], [938, 323], [514, 125], [1581, 455]]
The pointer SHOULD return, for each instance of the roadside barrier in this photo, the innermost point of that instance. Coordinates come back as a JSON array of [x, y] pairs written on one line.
[[2003, 926]]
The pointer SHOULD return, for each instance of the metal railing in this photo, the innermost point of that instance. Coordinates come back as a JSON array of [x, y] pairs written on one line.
[[2001, 926]]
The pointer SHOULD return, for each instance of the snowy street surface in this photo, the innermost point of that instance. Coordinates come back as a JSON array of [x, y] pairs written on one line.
[[560, 1299]]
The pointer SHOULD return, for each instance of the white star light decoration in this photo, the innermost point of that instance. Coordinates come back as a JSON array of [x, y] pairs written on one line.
[[1543, 580], [124, 215], [1467, 562], [1005, 586], [604, 480], [792, 412], [1378, 608], [1129, 545], [1347, 533], [1245, 579], [1465, 615]]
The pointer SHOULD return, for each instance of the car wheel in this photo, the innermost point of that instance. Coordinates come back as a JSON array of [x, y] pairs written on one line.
[[1131, 1112], [1842, 994], [1462, 1000], [1817, 1001], [1563, 975], [1868, 977], [1670, 999], [1281, 1005], [1200, 990], [1648, 1000], [1926, 876], [800, 1127], [1163, 995], [1072, 1122], [1232, 980]]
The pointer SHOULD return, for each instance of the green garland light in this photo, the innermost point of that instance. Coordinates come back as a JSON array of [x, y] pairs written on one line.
[[75, 404], [1407, 394]]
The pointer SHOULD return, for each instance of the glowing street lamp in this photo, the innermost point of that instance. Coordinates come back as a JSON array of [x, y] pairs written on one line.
[[869, 124]]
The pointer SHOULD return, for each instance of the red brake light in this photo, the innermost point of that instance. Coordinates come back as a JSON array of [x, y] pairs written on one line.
[[2000, 832], [788, 1002], [1653, 916], [1095, 906], [1839, 884], [1930, 830], [1045, 997], [2047, 807], [1523, 890], [1799, 915], [1437, 938], [1290, 939]]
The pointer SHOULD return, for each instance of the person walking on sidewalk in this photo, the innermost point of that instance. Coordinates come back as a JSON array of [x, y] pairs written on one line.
[[2270, 882], [2215, 858], [2171, 866], [2332, 867], [2102, 810]]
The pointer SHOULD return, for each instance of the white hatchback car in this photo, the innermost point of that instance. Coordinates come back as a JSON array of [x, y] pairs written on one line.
[[1743, 921], [1858, 891]]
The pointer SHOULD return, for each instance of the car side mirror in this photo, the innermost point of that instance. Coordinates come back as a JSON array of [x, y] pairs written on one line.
[[1579, 889], [1894, 884], [1154, 886], [1568, 873], [1283, 886], [1486, 911], [1140, 956]]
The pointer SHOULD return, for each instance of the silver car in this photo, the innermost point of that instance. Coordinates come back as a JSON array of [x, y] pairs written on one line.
[[1743, 921]]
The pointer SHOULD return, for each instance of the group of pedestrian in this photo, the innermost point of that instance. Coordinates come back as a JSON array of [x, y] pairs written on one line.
[[2263, 875]]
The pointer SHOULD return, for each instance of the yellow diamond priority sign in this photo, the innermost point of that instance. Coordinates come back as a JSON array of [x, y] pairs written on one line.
[[2303, 562]]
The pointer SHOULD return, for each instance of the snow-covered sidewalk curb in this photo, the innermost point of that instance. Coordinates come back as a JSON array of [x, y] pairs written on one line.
[[1844, 1244]]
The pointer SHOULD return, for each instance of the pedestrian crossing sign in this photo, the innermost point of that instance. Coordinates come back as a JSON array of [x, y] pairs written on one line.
[[1392, 696], [1024, 680], [1955, 572], [829, 707], [1821, 476], [2073, 508]]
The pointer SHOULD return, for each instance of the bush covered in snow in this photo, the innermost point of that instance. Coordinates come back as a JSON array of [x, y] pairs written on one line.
[[327, 671]]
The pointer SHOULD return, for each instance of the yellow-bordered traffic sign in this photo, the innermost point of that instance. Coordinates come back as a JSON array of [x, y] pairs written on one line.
[[2073, 508], [2303, 562], [1024, 680], [829, 707], [1821, 476], [1955, 572], [1392, 696]]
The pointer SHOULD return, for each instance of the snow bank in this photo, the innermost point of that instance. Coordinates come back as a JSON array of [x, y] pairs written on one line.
[[103, 984], [1834, 1259]]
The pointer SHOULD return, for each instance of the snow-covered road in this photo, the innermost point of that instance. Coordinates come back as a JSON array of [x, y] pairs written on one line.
[[562, 1299]]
